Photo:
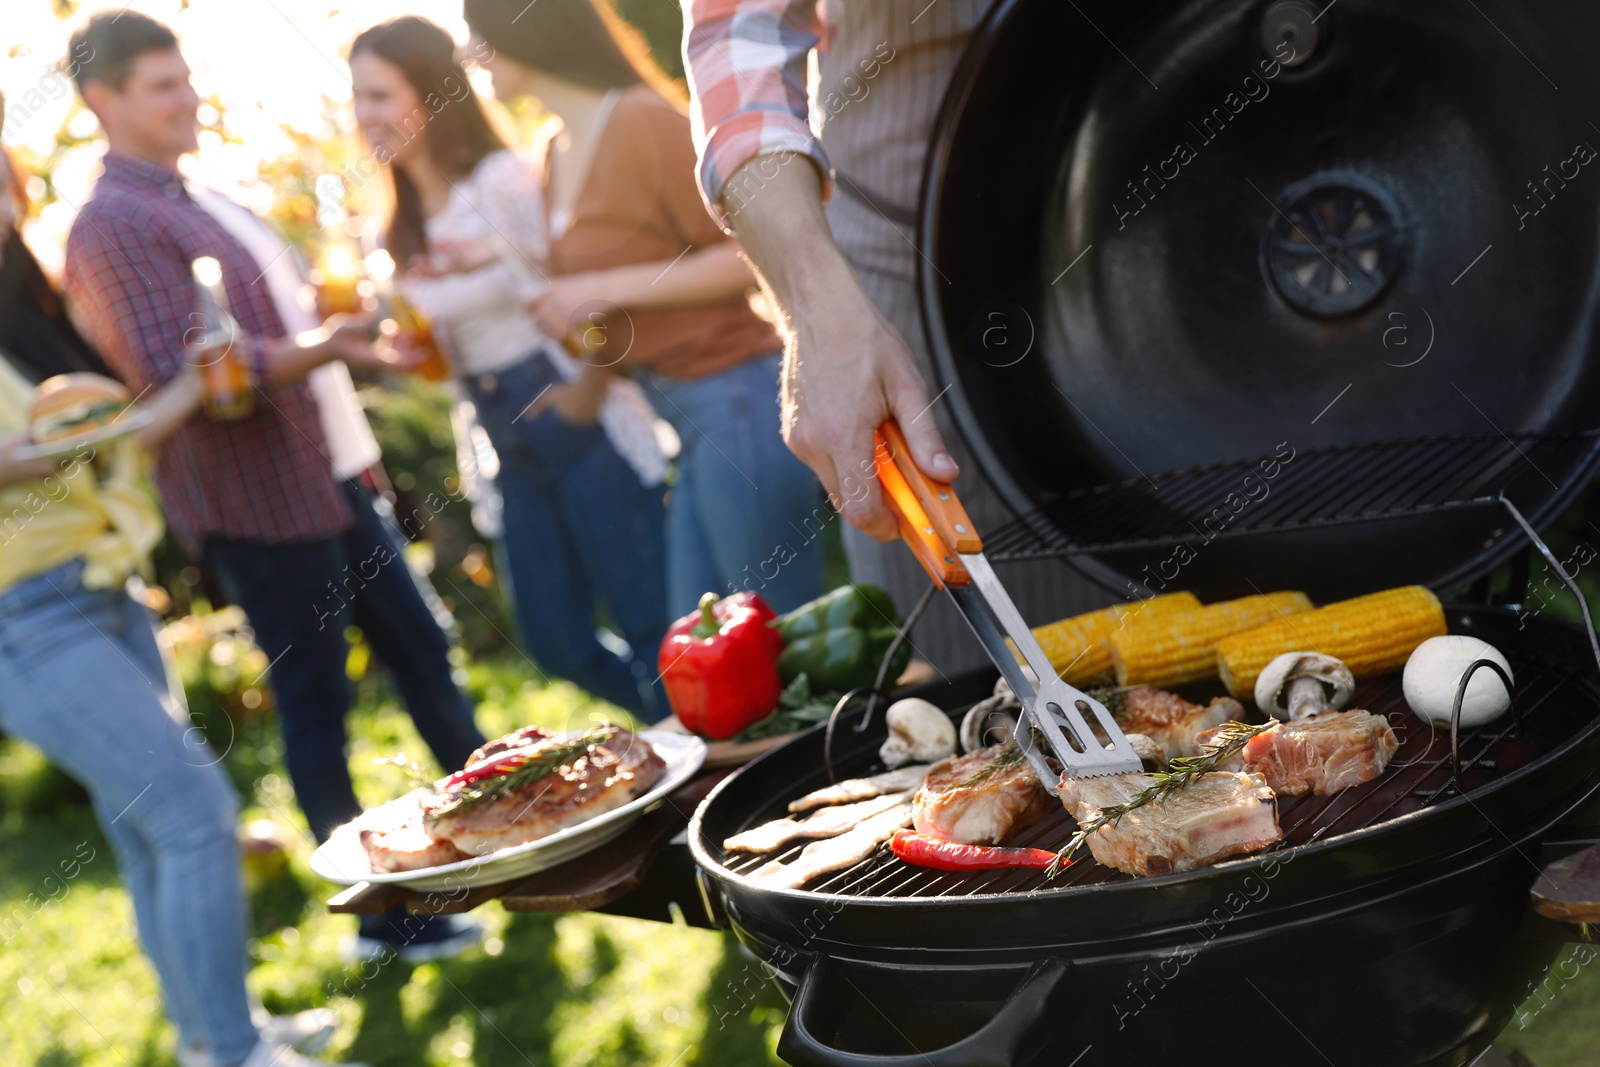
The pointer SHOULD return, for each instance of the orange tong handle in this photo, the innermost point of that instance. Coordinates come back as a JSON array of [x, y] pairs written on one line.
[[931, 519]]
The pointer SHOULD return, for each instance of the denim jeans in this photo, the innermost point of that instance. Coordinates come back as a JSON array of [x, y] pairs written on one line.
[[82, 678], [745, 513], [581, 534]]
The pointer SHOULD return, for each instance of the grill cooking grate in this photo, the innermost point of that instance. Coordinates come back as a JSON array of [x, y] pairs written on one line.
[[1290, 491], [1554, 699]]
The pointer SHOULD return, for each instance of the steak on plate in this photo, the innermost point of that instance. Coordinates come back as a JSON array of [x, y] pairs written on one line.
[[607, 776], [1217, 815]]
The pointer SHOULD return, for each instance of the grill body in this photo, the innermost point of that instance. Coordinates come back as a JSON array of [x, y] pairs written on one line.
[[1382, 938]]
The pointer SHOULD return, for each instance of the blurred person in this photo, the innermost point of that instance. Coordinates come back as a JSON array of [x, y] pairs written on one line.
[[581, 493], [633, 254], [844, 274], [83, 679], [255, 498]]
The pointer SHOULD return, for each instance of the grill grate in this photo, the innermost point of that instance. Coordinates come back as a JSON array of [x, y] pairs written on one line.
[[1554, 697], [1370, 482]]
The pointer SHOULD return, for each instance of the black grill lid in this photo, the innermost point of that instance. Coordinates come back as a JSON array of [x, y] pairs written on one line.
[[1224, 232]]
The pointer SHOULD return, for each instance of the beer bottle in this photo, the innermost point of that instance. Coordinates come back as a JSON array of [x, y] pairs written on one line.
[[408, 319], [229, 385]]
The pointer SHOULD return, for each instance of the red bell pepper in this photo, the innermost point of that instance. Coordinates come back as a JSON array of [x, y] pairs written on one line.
[[926, 850], [720, 665]]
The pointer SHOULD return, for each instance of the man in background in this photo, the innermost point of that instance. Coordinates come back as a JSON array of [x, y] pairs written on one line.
[[255, 498]]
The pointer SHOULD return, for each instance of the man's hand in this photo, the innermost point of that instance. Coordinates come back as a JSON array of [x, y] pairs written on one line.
[[14, 469], [341, 337], [845, 368]]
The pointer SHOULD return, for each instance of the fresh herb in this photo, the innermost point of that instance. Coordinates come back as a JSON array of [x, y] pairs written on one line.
[[1005, 759], [539, 764], [1114, 697], [1230, 740], [798, 708]]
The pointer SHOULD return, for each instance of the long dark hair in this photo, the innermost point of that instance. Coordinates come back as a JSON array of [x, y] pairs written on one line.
[[459, 131], [580, 41], [35, 331]]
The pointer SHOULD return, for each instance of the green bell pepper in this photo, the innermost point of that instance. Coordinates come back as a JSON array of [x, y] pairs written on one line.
[[839, 639]]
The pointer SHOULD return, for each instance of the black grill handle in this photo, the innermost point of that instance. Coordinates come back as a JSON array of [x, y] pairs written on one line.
[[1024, 1022]]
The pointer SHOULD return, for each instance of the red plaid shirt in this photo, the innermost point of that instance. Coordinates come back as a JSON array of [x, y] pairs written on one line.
[[746, 65], [265, 478]]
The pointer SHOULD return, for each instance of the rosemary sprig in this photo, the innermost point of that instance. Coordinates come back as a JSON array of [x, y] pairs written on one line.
[[1005, 759], [544, 763], [1230, 740]]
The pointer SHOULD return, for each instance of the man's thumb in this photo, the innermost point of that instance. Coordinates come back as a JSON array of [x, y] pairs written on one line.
[[922, 435]]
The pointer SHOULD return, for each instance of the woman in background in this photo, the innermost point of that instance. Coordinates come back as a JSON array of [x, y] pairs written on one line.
[[630, 240], [82, 678], [583, 513]]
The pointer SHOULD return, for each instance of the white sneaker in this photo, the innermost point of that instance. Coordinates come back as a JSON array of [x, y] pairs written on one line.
[[276, 1054], [307, 1031]]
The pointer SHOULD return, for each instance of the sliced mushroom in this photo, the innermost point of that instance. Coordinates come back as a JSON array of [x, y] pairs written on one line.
[[1298, 684], [985, 724], [919, 732]]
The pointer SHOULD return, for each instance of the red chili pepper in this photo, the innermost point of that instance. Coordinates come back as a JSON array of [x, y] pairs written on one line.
[[499, 763], [720, 665], [926, 850]]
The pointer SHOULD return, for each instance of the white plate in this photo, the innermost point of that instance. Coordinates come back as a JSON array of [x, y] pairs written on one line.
[[341, 858], [67, 445]]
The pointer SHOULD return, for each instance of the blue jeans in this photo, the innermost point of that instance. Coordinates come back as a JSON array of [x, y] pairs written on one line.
[[745, 514], [299, 599], [82, 678], [581, 533]]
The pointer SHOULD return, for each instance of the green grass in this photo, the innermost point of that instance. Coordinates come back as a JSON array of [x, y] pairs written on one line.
[[580, 990]]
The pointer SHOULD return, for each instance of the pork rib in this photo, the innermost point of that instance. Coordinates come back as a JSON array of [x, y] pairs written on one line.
[[1217, 815], [1323, 753], [1171, 721], [980, 798]]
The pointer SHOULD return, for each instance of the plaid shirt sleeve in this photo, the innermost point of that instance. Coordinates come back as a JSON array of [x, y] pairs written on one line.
[[746, 64], [129, 292]]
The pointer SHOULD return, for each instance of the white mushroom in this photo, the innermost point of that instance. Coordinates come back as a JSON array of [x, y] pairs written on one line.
[[918, 733], [1298, 684], [1152, 755], [1433, 674]]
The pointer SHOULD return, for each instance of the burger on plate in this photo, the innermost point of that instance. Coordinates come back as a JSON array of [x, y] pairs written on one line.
[[72, 404]]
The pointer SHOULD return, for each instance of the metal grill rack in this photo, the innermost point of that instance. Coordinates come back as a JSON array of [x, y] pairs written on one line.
[[1332, 486], [1552, 697]]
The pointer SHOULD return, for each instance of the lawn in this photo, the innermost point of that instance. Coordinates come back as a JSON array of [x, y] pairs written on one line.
[[579, 990]]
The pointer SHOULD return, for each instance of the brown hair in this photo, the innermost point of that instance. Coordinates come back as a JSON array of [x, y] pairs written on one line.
[[104, 48], [460, 134], [580, 41]]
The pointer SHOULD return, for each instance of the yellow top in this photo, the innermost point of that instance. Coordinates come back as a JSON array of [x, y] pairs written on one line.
[[93, 507]]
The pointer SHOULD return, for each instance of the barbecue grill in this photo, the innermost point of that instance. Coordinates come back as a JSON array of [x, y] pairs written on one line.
[[1209, 396]]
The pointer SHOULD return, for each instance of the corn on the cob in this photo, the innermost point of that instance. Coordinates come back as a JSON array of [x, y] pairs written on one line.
[[1373, 635], [1077, 647], [1182, 647]]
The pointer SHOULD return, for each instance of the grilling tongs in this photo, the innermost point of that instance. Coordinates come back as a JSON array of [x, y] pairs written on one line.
[[936, 527]]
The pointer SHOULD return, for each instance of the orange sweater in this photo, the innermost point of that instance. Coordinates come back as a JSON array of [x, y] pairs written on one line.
[[639, 203]]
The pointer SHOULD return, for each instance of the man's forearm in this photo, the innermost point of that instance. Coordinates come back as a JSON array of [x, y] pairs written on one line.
[[785, 233]]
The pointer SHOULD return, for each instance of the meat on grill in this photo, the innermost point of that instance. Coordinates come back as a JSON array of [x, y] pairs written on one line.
[[608, 776], [980, 798], [835, 853], [863, 788], [1322, 753], [412, 833], [1217, 815], [827, 822], [1171, 721]]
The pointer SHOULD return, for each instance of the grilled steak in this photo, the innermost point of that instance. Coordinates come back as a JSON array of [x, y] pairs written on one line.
[[1171, 721], [1219, 814], [405, 845], [604, 778], [1322, 754], [528, 735], [980, 798]]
